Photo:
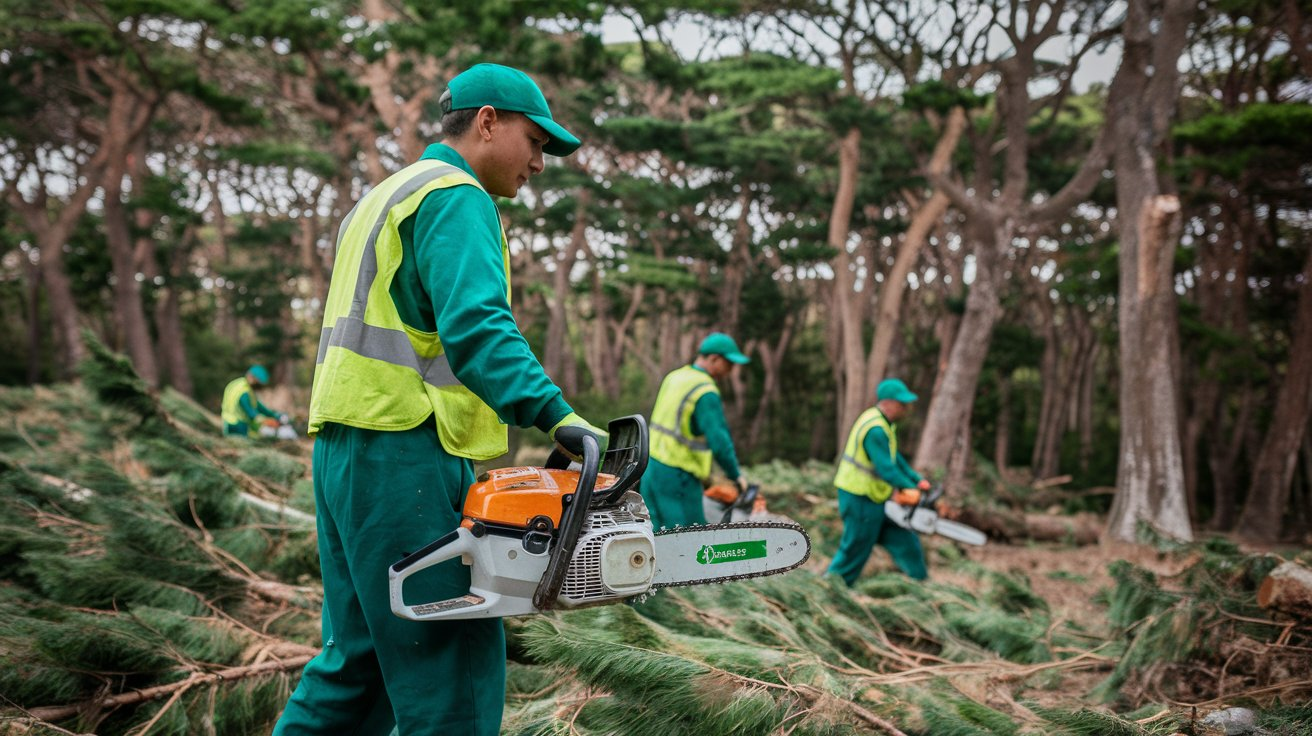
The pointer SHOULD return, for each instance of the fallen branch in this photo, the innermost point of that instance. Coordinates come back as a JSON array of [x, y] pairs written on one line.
[[60, 712]]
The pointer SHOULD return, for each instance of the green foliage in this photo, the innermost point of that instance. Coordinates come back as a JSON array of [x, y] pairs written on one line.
[[1088, 722]]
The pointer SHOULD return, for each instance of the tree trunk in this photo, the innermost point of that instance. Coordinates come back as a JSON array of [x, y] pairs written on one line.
[[34, 331], [1141, 103], [1002, 436], [1268, 494], [128, 307], [848, 302], [1088, 380], [1052, 401], [889, 308], [953, 402], [1151, 471], [557, 354], [1288, 589], [51, 237], [771, 358]]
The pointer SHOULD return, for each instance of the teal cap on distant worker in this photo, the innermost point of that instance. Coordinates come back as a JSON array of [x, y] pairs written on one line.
[[259, 373], [718, 343], [510, 89], [892, 388]]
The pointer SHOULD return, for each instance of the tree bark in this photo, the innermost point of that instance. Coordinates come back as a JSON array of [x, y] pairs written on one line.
[[128, 307], [1268, 494], [1141, 103], [847, 301], [1002, 438], [953, 401], [34, 330], [51, 237], [557, 356], [889, 307]]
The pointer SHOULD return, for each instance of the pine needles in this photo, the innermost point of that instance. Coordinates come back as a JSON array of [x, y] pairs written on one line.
[[152, 578], [131, 564]]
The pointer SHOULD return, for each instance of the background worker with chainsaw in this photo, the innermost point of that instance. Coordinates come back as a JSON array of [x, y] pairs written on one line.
[[871, 471], [420, 369], [688, 430], [241, 408]]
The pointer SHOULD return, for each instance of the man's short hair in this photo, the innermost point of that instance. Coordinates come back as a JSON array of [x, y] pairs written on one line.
[[456, 122]]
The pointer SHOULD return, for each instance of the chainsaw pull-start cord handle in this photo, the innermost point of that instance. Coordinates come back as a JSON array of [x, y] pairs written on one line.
[[571, 523]]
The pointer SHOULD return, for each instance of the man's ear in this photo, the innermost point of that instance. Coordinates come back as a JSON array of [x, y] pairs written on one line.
[[484, 121]]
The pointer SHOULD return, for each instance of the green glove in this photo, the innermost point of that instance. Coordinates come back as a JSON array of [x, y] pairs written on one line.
[[571, 443]]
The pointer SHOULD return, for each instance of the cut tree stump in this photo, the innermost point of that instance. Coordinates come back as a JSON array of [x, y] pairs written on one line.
[[1288, 589]]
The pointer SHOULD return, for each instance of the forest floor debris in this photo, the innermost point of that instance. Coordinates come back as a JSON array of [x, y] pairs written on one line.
[[155, 576]]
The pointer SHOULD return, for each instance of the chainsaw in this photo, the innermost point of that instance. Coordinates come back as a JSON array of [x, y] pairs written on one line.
[[726, 503], [922, 516], [541, 538]]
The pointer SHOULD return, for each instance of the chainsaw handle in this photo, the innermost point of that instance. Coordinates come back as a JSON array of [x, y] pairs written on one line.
[[450, 546], [930, 497], [571, 523]]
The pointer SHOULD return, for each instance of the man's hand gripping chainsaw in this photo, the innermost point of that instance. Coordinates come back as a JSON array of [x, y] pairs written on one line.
[[542, 538]]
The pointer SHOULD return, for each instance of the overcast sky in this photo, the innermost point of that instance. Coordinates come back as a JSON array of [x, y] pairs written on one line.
[[689, 38]]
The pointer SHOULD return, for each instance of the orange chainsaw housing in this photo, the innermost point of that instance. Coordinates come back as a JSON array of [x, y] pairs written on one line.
[[513, 496]]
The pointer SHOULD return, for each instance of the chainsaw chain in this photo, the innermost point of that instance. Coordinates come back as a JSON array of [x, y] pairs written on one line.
[[736, 525]]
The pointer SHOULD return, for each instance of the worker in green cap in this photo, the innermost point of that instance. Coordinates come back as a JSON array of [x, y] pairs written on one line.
[[241, 408], [687, 431], [871, 471], [420, 369]]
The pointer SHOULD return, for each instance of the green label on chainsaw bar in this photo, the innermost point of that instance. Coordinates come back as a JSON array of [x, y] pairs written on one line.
[[713, 554]]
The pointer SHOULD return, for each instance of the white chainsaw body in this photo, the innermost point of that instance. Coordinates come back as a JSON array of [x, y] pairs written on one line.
[[537, 539], [925, 520], [614, 559]]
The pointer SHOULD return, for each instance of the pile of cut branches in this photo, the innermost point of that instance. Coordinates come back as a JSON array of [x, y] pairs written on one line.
[[156, 578]]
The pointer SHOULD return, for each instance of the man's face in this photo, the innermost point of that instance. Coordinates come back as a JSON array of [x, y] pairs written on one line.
[[515, 153], [720, 366], [893, 410]]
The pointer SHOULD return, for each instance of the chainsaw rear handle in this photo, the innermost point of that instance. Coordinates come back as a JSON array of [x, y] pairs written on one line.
[[571, 522], [450, 546]]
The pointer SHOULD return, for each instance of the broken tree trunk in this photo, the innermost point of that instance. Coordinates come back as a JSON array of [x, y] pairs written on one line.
[[1288, 589]]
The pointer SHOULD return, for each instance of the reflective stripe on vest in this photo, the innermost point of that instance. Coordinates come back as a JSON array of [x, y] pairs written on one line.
[[672, 440], [371, 341], [856, 472], [372, 370]]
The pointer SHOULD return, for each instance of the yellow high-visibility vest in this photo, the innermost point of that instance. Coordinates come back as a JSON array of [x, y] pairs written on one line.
[[672, 440], [856, 471], [374, 371], [231, 407]]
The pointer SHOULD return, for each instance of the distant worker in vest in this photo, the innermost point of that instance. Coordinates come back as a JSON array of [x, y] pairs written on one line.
[[687, 431], [420, 369], [870, 471], [241, 408]]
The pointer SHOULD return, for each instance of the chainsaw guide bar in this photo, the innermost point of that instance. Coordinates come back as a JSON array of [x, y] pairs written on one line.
[[741, 548]]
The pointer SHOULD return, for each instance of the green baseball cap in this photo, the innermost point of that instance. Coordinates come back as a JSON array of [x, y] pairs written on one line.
[[259, 373], [510, 89], [892, 388], [718, 343]]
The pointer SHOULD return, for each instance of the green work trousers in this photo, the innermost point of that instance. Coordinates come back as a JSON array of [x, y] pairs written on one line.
[[864, 527], [673, 496], [380, 496]]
